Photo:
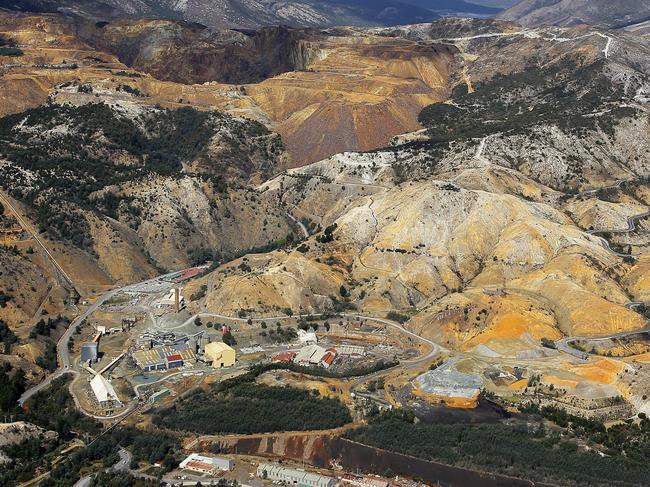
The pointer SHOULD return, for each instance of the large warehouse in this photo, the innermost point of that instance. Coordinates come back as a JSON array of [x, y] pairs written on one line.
[[208, 465], [165, 357], [277, 473], [104, 392], [220, 354]]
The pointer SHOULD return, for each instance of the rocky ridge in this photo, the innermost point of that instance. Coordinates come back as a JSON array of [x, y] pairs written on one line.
[[442, 219]]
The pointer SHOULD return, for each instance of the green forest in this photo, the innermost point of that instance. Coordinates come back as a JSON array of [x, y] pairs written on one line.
[[242, 406], [53, 409], [7, 337], [516, 449], [560, 95], [12, 385]]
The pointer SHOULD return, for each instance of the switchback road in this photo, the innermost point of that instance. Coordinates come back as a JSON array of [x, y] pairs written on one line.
[[63, 354]]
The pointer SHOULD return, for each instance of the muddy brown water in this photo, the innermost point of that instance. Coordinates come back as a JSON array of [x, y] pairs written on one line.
[[322, 451], [486, 412]]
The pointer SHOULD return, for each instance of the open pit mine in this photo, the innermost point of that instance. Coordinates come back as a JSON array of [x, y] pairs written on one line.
[[322, 254]]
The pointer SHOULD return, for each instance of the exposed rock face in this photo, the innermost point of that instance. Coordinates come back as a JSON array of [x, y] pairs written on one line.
[[414, 244], [19, 431], [494, 190], [356, 95], [126, 202], [498, 196], [363, 88], [188, 53], [221, 14], [610, 13]]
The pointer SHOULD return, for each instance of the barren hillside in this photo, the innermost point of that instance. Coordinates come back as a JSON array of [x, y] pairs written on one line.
[[496, 193], [516, 195]]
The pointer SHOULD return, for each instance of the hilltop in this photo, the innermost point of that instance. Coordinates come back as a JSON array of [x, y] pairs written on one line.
[[258, 13], [471, 177], [603, 13]]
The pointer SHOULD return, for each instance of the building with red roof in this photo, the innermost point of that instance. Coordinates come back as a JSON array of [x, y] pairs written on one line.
[[189, 274], [174, 361], [328, 358], [284, 357]]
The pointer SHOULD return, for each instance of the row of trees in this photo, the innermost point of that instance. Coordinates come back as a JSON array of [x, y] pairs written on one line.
[[12, 385], [44, 328]]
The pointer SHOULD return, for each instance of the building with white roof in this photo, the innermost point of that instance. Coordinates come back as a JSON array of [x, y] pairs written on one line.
[[350, 480], [277, 473], [104, 391], [352, 350], [310, 355], [208, 465], [307, 337]]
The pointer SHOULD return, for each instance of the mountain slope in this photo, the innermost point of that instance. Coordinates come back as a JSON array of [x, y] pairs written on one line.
[[496, 193], [256, 13], [606, 13], [90, 173], [497, 188], [366, 87]]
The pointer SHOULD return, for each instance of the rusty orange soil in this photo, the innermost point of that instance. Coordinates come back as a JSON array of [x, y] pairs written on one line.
[[603, 371], [558, 382]]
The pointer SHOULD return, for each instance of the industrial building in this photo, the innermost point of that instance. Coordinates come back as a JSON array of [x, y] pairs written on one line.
[[277, 473], [89, 353], [310, 355], [307, 337], [220, 354], [173, 298], [315, 355], [159, 395], [364, 481], [104, 392], [207, 465], [188, 274], [151, 339], [351, 350], [165, 357], [328, 359], [283, 357]]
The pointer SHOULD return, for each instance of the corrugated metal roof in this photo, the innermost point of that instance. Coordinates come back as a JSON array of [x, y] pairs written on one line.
[[158, 355], [300, 477], [103, 389], [328, 358], [199, 465], [284, 356], [312, 354], [206, 462], [188, 274]]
